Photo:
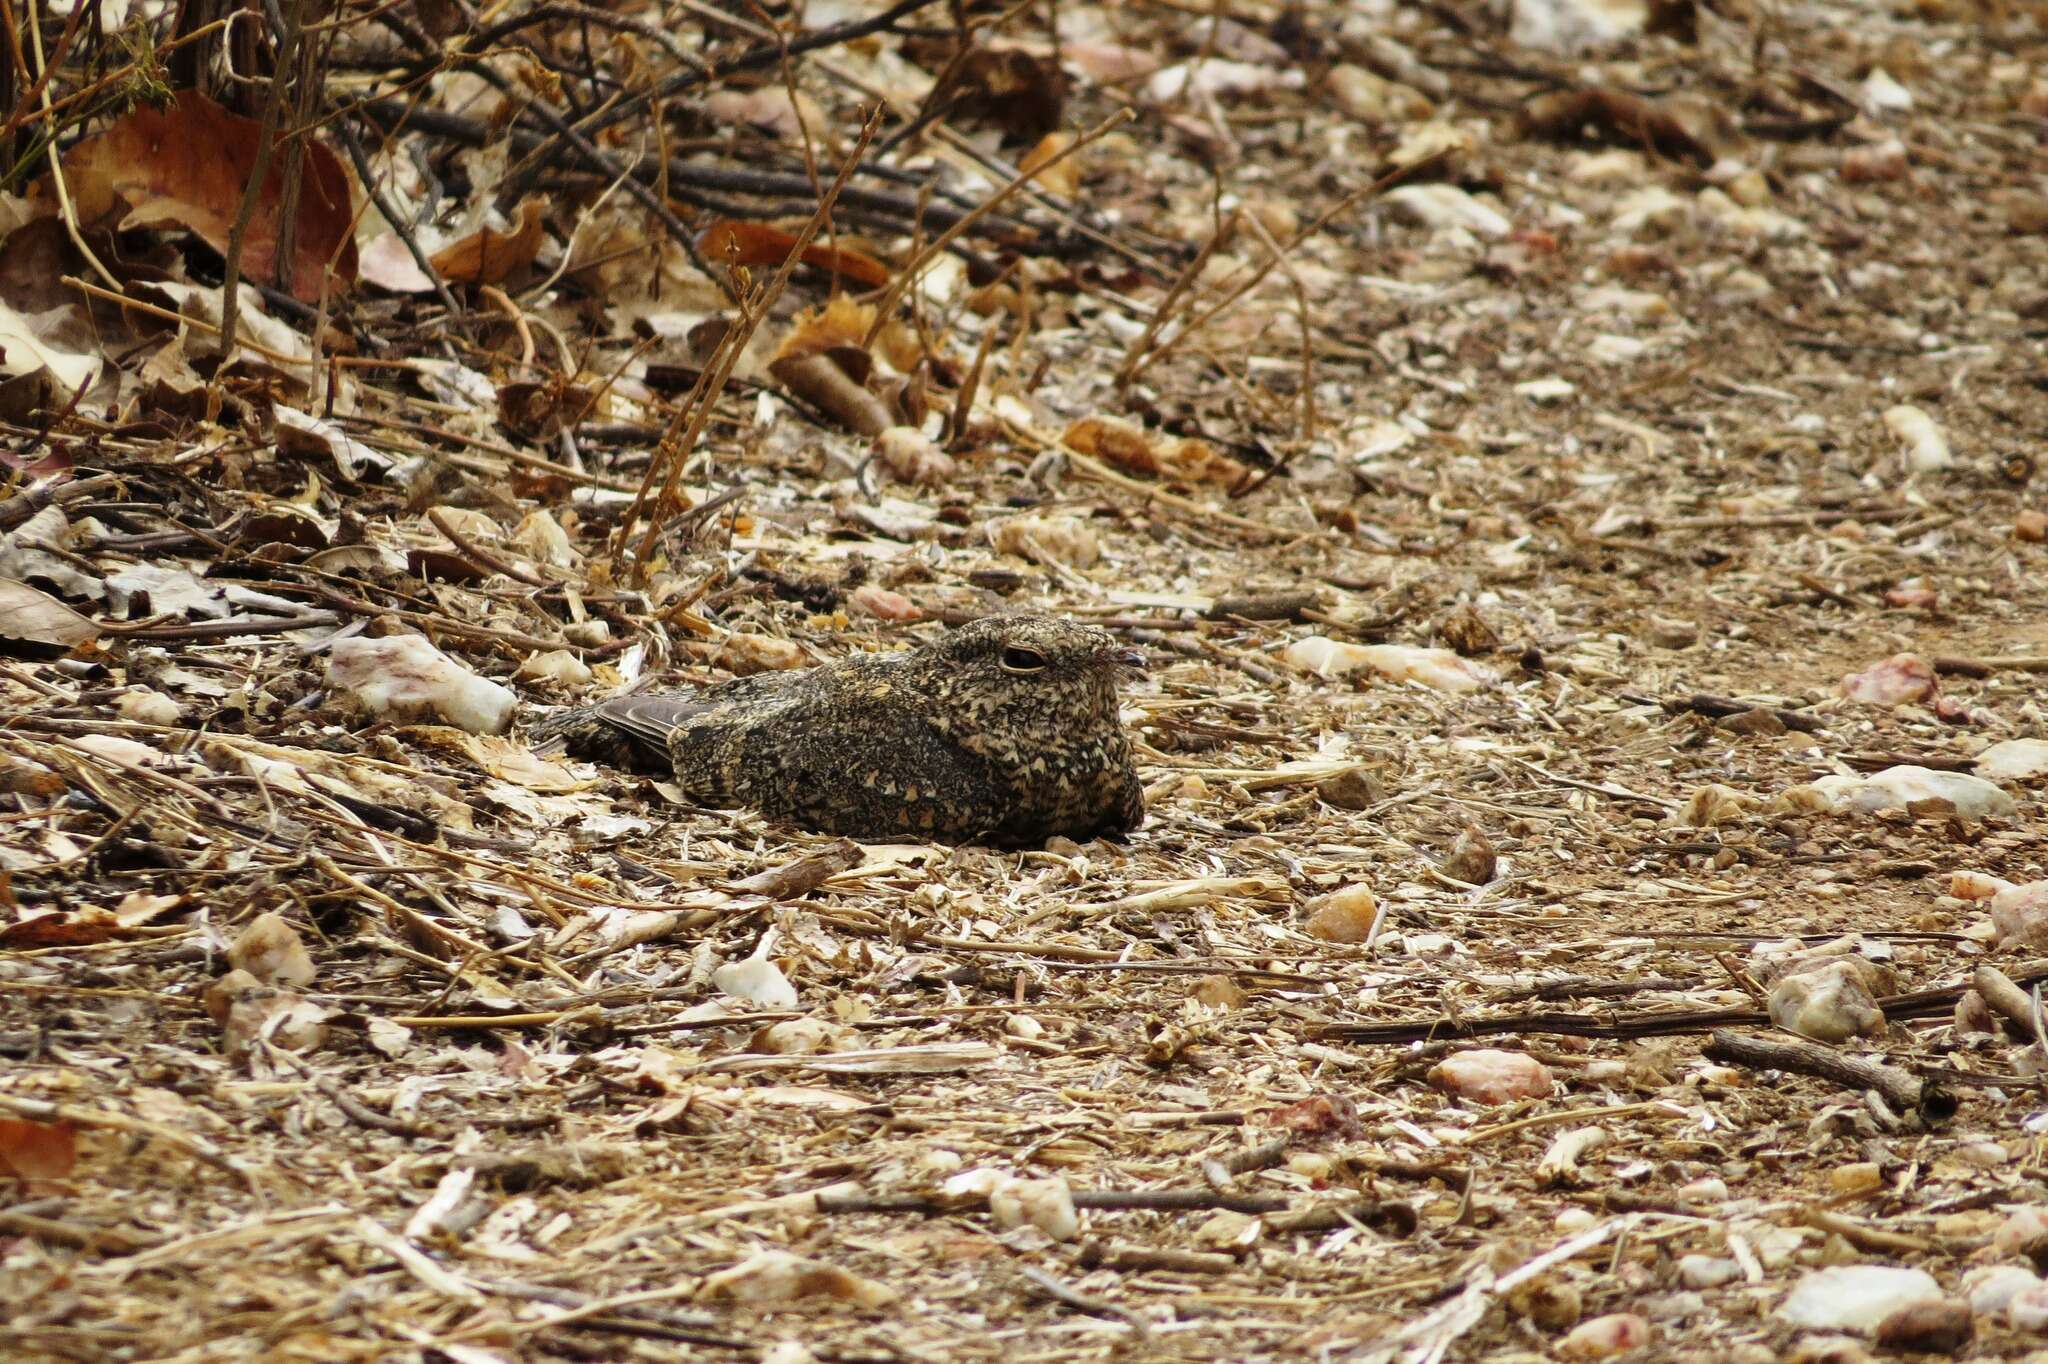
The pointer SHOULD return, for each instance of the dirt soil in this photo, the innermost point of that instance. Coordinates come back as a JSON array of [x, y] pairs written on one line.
[[1661, 381]]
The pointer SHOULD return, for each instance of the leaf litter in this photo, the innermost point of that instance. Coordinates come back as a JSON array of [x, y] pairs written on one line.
[[1572, 470]]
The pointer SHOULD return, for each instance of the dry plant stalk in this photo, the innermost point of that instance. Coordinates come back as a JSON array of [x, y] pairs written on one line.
[[231, 274], [673, 452], [1192, 271], [65, 208], [886, 307], [1137, 360], [1301, 309]]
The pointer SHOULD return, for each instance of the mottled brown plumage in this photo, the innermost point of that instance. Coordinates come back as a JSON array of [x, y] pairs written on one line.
[[1003, 731]]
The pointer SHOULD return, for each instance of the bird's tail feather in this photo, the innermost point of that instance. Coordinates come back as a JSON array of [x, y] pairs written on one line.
[[627, 731], [650, 719]]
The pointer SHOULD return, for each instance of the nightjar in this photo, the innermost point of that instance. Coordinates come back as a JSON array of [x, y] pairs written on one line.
[[1004, 731]]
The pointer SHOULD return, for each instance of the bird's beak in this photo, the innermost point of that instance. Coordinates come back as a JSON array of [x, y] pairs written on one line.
[[1128, 658]]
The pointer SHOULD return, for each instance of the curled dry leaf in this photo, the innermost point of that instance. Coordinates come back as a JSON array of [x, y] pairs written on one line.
[[841, 322], [82, 927], [778, 1276], [1131, 447], [303, 434], [1064, 178], [823, 361], [188, 163], [1629, 120], [490, 255], [270, 950], [44, 549], [37, 1150], [24, 351], [730, 241], [910, 456], [36, 618], [1049, 539], [1009, 87]]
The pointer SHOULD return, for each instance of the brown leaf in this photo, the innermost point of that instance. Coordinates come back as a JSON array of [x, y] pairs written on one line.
[[1631, 120], [488, 256], [820, 381], [1132, 447], [842, 322], [749, 243], [39, 463], [37, 1150], [540, 411], [29, 615], [1018, 91], [60, 928], [188, 164], [1065, 178]]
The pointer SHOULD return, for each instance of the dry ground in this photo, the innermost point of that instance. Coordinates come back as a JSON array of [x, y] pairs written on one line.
[[521, 1121]]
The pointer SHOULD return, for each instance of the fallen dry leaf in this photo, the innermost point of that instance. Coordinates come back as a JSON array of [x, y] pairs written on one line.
[[23, 351], [188, 164], [489, 256], [31, 616], [37, 1150], [742, 243]]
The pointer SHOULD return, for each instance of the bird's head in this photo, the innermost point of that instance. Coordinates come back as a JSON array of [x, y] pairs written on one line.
[[1035, 664]]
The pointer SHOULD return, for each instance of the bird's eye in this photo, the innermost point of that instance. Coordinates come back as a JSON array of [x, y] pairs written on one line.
[[1016, 660]]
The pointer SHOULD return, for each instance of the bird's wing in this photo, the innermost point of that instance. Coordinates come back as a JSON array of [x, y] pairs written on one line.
[[627, 731], [650, 719]]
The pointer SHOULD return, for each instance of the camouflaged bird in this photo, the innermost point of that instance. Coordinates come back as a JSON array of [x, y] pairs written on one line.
[[1004, 731]]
